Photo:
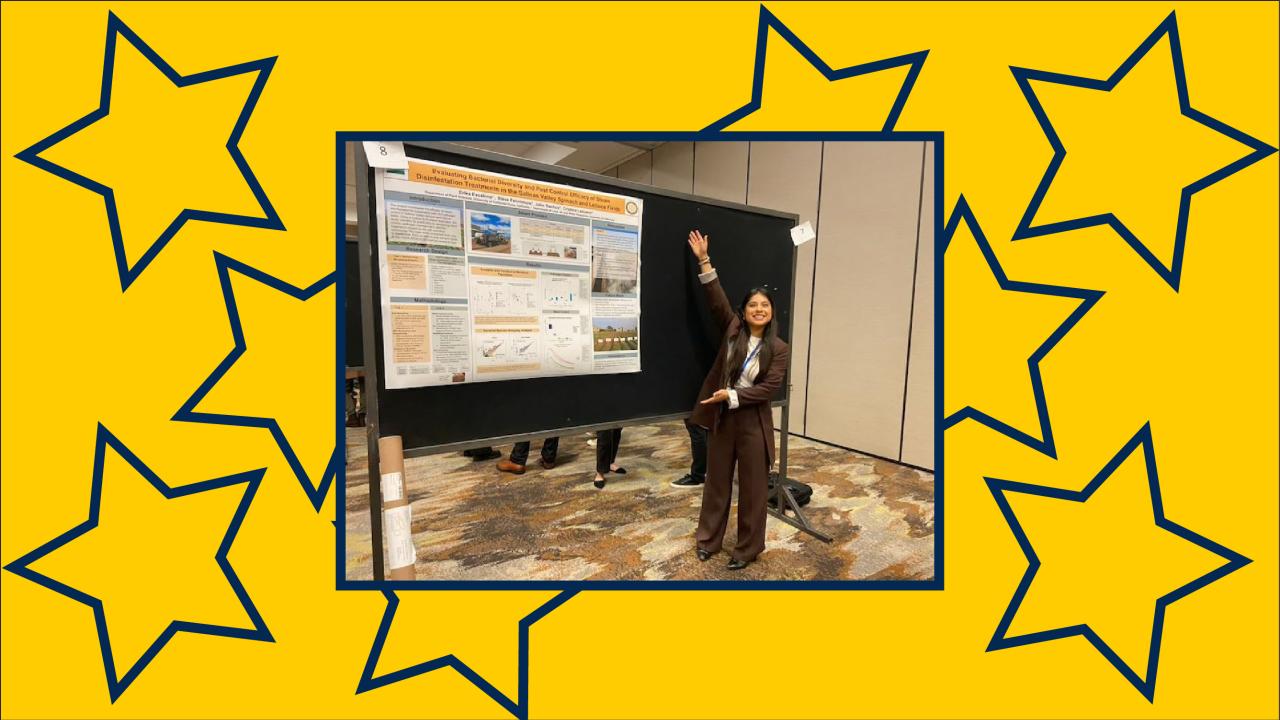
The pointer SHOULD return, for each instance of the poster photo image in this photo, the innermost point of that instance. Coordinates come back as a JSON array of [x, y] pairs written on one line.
[[490, 233], [611, 334]]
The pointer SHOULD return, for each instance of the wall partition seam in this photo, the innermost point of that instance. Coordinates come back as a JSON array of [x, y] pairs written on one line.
[[635, 170], [676, 166], [693, 168], [911, 313], [813, 293]]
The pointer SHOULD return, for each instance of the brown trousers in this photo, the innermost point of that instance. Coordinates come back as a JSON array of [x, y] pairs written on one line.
[[737, 441]]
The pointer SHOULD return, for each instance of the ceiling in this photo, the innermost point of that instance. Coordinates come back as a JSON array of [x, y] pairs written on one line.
[[589, 156]]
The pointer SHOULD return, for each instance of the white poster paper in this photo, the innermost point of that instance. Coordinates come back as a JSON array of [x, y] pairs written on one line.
[[495, 277], [392, 487], [396, 524]]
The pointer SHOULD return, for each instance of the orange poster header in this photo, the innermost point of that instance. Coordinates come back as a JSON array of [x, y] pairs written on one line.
[[467, 180]]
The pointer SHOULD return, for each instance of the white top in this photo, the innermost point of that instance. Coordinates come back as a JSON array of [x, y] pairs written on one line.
[[748, 376], [749, 373]]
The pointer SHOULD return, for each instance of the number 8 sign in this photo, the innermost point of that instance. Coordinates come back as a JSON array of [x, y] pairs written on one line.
[[386, 155]]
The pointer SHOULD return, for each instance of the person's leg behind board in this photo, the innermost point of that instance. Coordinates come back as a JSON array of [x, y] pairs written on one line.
[[605, 451], [698, 457], [550, 447], [516, 460], [616, 442]]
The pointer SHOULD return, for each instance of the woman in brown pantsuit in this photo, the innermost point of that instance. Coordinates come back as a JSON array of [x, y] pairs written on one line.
[[734, 405]]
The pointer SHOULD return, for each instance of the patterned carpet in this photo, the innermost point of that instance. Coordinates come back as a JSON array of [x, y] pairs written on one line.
[[472, 522]]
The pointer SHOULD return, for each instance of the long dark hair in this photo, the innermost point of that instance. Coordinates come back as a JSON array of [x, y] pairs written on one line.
[[738, 342]]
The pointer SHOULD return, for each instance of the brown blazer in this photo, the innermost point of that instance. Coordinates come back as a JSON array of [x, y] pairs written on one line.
[[753, 399]]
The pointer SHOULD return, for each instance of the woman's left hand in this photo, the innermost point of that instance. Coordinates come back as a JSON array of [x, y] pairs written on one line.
[[718, 396]]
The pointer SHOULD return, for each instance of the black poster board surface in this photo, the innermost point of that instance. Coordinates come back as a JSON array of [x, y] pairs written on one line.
[[749, 247]]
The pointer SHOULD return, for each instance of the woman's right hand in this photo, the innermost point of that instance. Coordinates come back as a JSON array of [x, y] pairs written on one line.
[[698, 244]]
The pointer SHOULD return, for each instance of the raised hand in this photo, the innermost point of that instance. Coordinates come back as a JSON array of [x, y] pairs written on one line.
[[698, 244]]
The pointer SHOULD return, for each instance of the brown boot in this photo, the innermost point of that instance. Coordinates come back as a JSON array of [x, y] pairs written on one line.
[[510, 467]]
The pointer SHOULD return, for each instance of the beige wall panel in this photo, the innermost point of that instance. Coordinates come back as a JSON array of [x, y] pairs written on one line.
[[865, 262], [673, 166], [917, 430], [351, 179], [784, 176], [611, 172], [720, 170], [638, 169]]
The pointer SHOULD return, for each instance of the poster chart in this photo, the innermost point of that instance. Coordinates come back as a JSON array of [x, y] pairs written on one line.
[[494, 277]]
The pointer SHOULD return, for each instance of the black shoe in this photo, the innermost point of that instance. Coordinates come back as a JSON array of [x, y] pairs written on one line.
[[736, 564], [599, 484], [687, 481], [619, 471], [704, 555], [482, 454]]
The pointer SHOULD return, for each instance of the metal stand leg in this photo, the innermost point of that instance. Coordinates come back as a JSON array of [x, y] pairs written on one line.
[[781, 493], [365, 213]]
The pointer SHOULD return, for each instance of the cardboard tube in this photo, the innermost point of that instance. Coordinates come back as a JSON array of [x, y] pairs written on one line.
[[397, 514]]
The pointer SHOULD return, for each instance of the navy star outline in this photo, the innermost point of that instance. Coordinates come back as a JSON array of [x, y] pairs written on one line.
[[914, 61], [116, 684], [1002, 640], [187, 413], [1088, 298], [270, 219], [1172, 275], [519, 708]]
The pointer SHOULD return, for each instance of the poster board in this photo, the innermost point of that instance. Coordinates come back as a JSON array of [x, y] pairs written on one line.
[[750, 247]]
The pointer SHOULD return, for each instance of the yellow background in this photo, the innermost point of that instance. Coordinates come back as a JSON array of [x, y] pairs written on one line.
[[1200, 364]]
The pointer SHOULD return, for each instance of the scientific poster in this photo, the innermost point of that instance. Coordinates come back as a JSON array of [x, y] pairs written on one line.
[[493, 277]]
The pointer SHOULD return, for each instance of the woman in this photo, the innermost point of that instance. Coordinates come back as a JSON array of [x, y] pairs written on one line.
[[734, 405], [607, 442]]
